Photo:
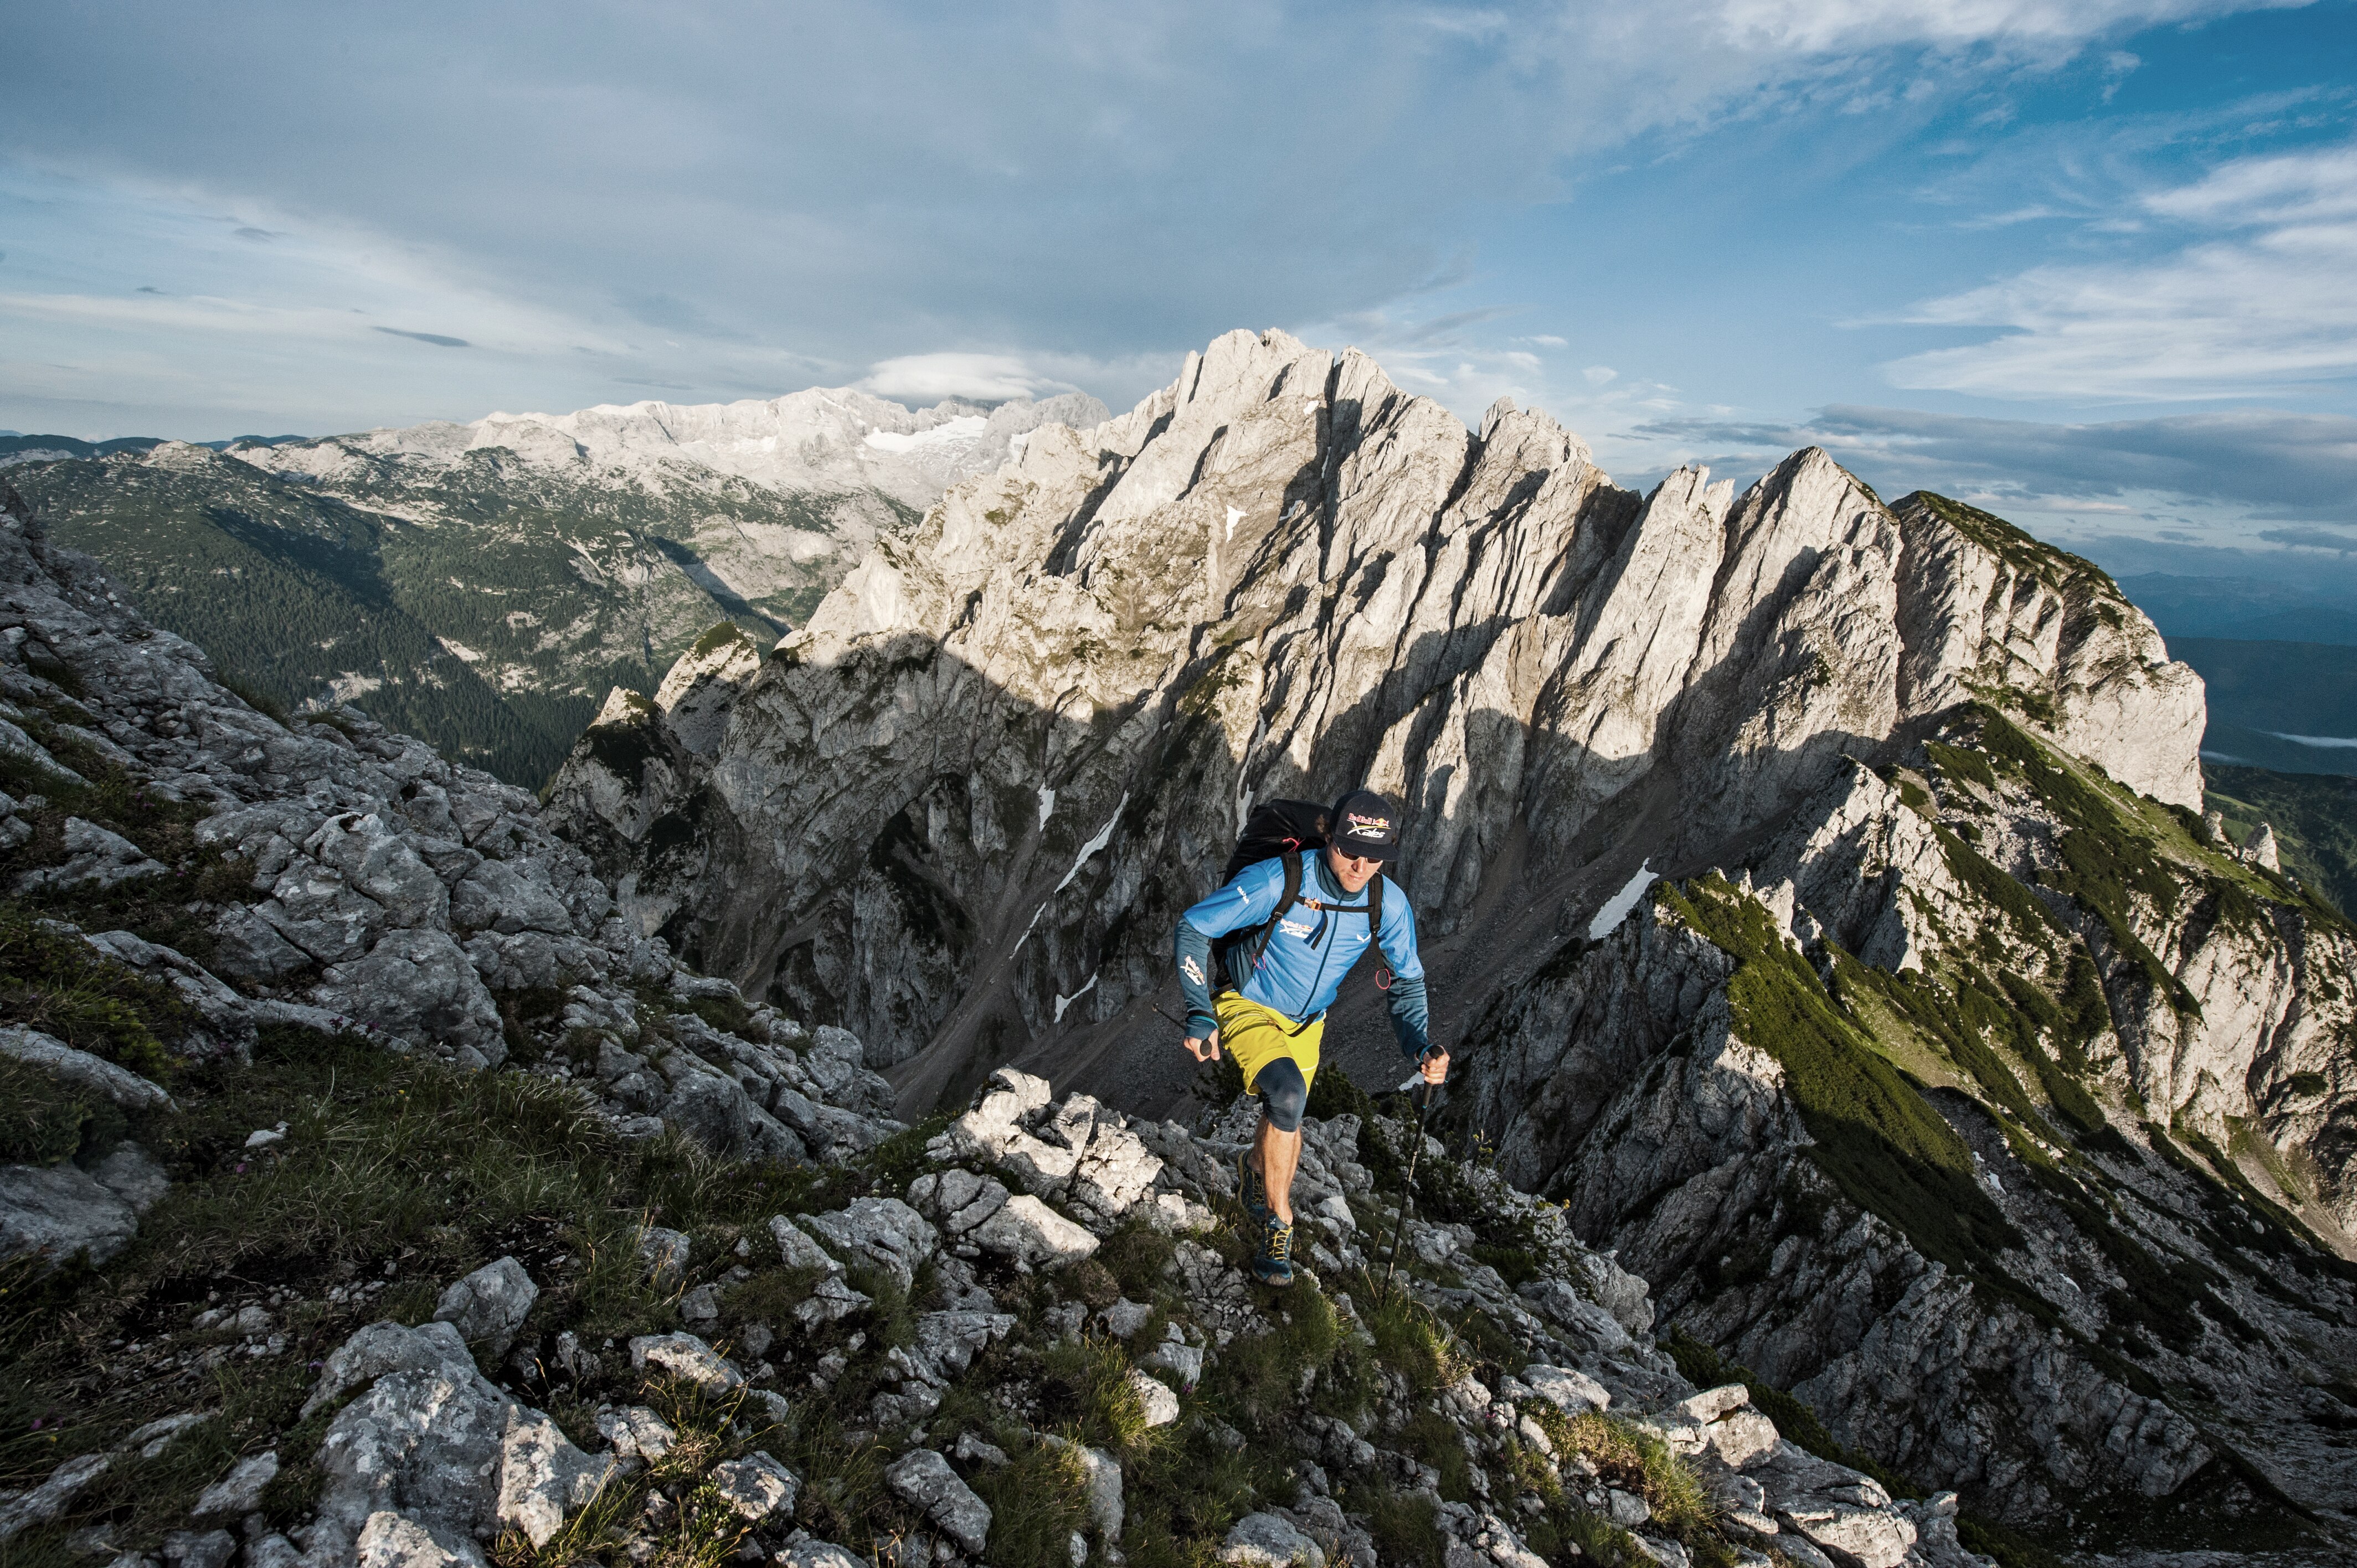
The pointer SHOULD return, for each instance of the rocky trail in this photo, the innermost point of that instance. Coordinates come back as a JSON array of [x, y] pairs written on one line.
[[1949, 1160]]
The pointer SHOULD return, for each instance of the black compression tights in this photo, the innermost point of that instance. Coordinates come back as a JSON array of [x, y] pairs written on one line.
[[1283, 1094]]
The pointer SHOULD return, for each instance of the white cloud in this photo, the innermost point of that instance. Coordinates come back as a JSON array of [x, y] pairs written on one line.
[[1818, 26], [1599, 375], [2258, 301], [983, 378]]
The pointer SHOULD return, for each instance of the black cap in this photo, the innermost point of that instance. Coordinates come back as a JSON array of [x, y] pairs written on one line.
[[1364, 823]]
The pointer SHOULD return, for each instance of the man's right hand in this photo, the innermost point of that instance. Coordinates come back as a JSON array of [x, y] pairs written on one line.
[[1206, 1049]]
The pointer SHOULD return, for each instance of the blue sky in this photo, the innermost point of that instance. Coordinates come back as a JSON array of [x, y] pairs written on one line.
[[2091, 263]]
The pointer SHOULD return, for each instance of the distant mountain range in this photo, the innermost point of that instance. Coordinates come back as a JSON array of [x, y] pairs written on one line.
[[485, 585]]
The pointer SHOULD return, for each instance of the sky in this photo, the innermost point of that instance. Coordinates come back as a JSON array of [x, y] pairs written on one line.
[[2089, 264]]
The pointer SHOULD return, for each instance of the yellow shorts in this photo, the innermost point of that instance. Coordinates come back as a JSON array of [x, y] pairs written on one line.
[[1256, 1035]]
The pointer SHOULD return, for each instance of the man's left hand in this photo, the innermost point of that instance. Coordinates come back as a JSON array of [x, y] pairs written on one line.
[[1435, 1067]]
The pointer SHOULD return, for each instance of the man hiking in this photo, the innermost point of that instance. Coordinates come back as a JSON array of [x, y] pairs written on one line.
[[1280, 966]]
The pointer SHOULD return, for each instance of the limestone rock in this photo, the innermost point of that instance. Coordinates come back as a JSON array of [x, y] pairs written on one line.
[[46, 1501], [1266, 1541], [685, 1356], [239, 1493], [489, 1304], [1153, 1398], [544, 1477], [124, 1088], [1033, 1234], [885, 1232], [97, 857], [59, 1212], [926, 1480], [756, 1486]]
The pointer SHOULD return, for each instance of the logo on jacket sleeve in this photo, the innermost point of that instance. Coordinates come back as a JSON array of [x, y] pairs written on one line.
[[1194, 971]]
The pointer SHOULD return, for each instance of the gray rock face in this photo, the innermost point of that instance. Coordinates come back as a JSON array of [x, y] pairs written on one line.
[[951, 784], [46, 1501], [431, 1453], [926, 1480], [685, 1356], [239, 1493], [97, 858], [371, 859], [488, 1305], [756, 1486], [58, 1212], [1269, 1540], [124, 1088]]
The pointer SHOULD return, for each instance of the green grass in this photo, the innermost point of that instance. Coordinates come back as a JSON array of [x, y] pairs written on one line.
[[579, 586], [1879, 1141], [2314, 816]]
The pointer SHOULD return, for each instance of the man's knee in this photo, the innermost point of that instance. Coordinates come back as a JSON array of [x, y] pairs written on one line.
[[1283, 1094]]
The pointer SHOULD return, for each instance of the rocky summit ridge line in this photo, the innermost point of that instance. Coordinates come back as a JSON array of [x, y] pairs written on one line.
[[1990, 1097]]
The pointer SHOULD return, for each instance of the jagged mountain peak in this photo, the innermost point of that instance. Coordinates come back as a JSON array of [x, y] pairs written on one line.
[[961, 809]]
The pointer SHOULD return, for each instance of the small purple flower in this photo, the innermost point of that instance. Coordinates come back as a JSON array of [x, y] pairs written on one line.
[[238, 1169]]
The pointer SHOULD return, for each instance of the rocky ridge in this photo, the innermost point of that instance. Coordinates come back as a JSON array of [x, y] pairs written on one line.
[[960, 809]]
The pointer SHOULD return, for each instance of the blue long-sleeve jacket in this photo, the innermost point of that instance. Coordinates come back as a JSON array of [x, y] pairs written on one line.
[[1310, 952]]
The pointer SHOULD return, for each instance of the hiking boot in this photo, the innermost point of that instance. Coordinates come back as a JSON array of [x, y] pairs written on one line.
[[1252, 1192], [1273, 1262]]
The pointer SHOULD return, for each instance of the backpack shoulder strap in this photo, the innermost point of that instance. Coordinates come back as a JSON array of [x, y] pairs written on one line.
[[1251, 944], [1375, 908]]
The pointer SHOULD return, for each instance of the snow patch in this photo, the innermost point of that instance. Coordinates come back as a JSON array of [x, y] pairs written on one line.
[[963, 427], [1047, 803], [1234, 517], [1104, 837], [1064, 1001], [1616, 908]]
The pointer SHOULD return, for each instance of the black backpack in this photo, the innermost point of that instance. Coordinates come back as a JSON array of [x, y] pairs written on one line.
[[1293, 829]]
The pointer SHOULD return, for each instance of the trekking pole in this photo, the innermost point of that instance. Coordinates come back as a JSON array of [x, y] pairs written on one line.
[[1407, 1189]]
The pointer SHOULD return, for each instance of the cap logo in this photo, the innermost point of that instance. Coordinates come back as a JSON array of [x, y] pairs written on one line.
[[1364, 825]]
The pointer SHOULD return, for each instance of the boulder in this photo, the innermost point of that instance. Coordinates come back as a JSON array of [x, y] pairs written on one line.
[[1269, 1540], [756, 1486], [95, 857], [1034, 1235], [884, 1232], [1153, 1398], [417, 985], [637, 1433], [1569, 1391], [58, 1212], [1104, 1474], [21, 1510], [925, 1480], [507, 896], [488, 1305], [239, 1493], [685, 1356], [390, 1541], [663, 1255], [96, 1074], [819, 1554], [544, 1477]]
